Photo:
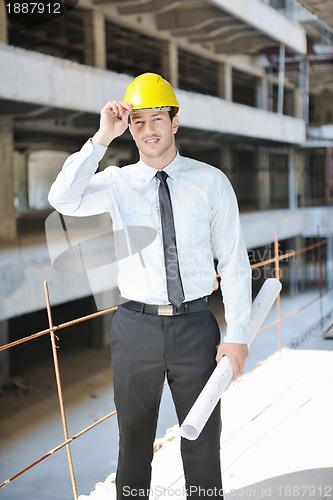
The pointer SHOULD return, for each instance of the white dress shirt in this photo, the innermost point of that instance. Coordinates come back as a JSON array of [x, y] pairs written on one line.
[[206, 222]]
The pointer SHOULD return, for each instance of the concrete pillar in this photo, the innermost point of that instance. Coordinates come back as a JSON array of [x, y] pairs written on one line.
[[4, 355], [3, 24], [95, 43], [226, 161], [298, 104], [305, 87], [302, 265], [292, 173], [263, 188], [99, 41], [296, 267], [170, 66], [88, 43], [225, 81], [7, 207], [300, 176], [21, 181], [281, 79], [262, 93], [329, 263]]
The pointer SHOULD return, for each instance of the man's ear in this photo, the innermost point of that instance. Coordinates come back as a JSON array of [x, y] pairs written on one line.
[[175, 124]]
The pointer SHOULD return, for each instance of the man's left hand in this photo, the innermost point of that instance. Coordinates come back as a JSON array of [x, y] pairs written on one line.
[[237, 355]]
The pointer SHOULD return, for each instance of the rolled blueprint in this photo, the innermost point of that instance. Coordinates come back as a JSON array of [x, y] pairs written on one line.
[[222, 375]]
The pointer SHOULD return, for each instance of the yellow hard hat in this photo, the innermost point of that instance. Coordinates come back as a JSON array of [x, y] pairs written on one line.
[[150, 91]]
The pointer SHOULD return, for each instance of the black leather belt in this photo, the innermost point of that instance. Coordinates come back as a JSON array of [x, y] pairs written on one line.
[[168, 309]]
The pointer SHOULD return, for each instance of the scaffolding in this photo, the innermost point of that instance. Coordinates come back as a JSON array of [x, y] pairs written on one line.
[[53, 330]]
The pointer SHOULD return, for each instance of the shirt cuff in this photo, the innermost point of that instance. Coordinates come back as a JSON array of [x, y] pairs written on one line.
[[236, 336], [95, 148]]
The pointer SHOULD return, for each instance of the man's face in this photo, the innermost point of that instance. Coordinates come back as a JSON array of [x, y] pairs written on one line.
[[153, 133]]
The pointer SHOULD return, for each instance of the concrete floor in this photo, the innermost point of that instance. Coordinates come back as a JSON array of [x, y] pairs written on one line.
[[276, 438], [31, 424]]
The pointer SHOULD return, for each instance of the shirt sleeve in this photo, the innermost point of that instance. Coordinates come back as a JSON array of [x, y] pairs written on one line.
[[77, 190], [233, 263]]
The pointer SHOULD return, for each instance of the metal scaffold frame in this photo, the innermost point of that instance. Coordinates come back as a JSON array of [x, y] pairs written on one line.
[[52, 329]]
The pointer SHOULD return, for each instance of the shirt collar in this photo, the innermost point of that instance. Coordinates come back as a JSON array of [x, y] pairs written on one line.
[[172, 169]]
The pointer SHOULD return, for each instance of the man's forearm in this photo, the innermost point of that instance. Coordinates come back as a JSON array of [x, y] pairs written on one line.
[[102, 139], [66, 193]]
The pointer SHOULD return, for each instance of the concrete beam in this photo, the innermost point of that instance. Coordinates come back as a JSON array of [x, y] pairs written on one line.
[[113, 2], [23, 269], [186, 18], [54, 126], [63, 83], [148, 6], [266, 20], [240, 42], [321, 8], [213, 34], [71, 86], [192, 30], [218, 115], [323, 132], [259, 227]]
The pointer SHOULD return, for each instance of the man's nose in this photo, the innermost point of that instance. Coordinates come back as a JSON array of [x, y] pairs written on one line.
[[149, 128]]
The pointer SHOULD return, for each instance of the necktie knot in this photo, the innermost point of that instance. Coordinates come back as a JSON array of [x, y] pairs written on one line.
[[162, 176]]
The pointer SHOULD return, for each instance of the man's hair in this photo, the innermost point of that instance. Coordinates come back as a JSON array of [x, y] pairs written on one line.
[[172, 112]]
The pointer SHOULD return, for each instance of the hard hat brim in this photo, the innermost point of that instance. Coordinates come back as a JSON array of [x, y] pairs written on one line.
[[151, 110]]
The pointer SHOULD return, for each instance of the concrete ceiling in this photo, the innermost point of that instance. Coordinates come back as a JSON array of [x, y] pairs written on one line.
[[207, 24], [320, 46], [323, 9], [196, 22]]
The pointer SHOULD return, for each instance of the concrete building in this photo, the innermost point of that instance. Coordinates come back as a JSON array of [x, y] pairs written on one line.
[[254, 80]]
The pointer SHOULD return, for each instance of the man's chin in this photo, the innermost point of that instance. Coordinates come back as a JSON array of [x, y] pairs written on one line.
[[152, 153]]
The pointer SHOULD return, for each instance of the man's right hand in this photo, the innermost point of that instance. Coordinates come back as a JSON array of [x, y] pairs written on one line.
[[113, 122]]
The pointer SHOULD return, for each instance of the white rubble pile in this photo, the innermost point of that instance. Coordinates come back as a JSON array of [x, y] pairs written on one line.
[[107, 490]]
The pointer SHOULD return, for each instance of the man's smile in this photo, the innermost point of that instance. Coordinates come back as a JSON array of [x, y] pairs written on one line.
[[151, 140]]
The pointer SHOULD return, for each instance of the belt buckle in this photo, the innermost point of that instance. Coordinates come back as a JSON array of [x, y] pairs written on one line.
[[165, 310]]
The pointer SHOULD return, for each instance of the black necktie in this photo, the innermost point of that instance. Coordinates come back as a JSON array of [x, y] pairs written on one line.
[[174, 283]]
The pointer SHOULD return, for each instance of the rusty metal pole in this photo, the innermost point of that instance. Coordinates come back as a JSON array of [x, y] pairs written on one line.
[[60, 393]]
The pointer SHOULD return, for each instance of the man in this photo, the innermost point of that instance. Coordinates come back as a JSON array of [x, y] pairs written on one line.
[[163, 327]]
